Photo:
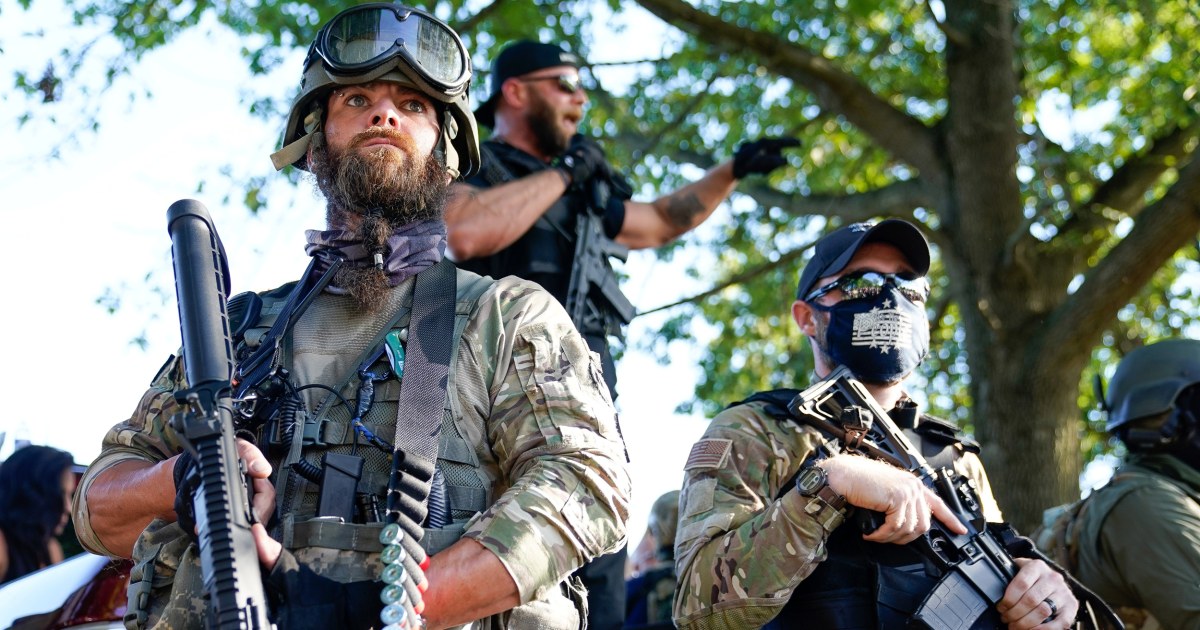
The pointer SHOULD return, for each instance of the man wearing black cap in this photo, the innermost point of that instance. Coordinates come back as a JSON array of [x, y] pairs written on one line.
[[761, 537], [518, 216]]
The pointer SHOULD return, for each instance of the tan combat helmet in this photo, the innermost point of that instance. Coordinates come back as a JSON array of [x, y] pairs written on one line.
[[386, 42]]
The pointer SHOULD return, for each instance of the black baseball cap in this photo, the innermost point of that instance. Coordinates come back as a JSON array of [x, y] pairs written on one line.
[[518, 59], [834, 250]]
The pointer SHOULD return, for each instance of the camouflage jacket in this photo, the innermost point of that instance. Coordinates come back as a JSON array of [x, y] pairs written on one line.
[[740, 552], [526, 397]]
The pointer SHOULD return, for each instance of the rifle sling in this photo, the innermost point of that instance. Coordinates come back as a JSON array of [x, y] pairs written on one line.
[[427, 362]]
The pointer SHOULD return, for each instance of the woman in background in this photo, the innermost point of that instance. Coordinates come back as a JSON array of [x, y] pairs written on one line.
[[36, 483]]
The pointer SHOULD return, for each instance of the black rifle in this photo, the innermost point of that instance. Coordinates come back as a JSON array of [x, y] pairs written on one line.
[[228, 556], [975, 567], [594, 299]]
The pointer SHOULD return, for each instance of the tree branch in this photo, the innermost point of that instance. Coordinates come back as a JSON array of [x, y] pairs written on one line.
[[1161, 229], [836, 91], [1125, 191], [954, 35], [468, 25], [630, 62], [897, 199], [679, 117], [736, 279]]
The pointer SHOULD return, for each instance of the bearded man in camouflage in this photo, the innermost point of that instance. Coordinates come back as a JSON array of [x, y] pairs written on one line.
[[530, 474]]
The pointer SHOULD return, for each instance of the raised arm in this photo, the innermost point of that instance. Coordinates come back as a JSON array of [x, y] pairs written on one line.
[[483, 221], [663, 220]]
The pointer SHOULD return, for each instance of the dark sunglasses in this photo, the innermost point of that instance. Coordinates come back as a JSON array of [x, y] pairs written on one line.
[[868, 284], [568, 83]]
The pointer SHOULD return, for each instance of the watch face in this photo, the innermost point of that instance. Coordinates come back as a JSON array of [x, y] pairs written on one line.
[[811, 480]]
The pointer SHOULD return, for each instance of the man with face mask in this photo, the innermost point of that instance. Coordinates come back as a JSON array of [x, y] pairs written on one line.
[[763, 537], [513, 478], [517, 215]]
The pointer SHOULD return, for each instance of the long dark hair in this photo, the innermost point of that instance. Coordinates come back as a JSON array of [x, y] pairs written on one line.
[[31, 506]]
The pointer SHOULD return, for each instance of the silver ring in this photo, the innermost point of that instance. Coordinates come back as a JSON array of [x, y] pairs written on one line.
[[1053, 610]]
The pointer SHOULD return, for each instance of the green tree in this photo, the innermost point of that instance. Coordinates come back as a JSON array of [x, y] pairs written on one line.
[[1055, 253], [930, 111]]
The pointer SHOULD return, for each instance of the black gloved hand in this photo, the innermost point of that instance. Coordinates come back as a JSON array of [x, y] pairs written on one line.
[[187, 479], [761, 156], [582, 160]]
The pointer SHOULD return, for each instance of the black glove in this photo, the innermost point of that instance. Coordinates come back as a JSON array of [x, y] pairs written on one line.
[[761, 156], [187, 479], [582, 160]]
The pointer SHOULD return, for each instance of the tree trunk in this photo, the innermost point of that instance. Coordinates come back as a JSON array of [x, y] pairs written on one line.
[[1029, 429], [1022, 405]]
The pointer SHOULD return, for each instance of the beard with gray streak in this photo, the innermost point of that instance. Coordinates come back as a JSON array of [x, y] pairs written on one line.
[[379, 190]]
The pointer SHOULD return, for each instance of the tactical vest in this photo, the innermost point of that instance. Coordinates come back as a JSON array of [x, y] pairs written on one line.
[[863, 585], [319, 542], [544, 253], [1065, 528], [165, 585]]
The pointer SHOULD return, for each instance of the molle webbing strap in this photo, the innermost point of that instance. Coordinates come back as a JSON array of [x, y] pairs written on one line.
[[262, 360]]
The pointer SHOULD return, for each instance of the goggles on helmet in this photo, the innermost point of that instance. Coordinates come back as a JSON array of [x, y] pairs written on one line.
[[868, 284], [369, 35]]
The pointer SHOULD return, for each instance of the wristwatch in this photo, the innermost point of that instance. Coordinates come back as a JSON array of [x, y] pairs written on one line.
[[813, 481]]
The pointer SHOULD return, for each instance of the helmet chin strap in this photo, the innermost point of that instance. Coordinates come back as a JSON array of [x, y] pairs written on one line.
[[1187, 418], [299, 149]]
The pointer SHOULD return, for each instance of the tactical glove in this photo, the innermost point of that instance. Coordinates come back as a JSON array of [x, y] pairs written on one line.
[[761, 156], [582, 160], [187, 479]]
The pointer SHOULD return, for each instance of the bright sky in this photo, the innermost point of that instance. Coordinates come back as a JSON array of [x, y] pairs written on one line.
[[95, 220]]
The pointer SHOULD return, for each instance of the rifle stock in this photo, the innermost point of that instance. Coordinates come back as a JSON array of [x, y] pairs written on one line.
[[228, 556]]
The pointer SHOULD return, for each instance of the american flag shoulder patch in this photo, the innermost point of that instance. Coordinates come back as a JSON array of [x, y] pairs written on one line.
[[709, 453]]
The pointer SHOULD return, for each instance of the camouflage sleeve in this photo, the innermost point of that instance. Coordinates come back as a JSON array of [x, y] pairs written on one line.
[[740, 552], [145, 436], [563, 495]]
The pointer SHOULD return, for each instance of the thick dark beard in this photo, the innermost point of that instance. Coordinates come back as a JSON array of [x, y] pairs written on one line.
[[402, 189], [368, 286], [387, 191], [543, 122]]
